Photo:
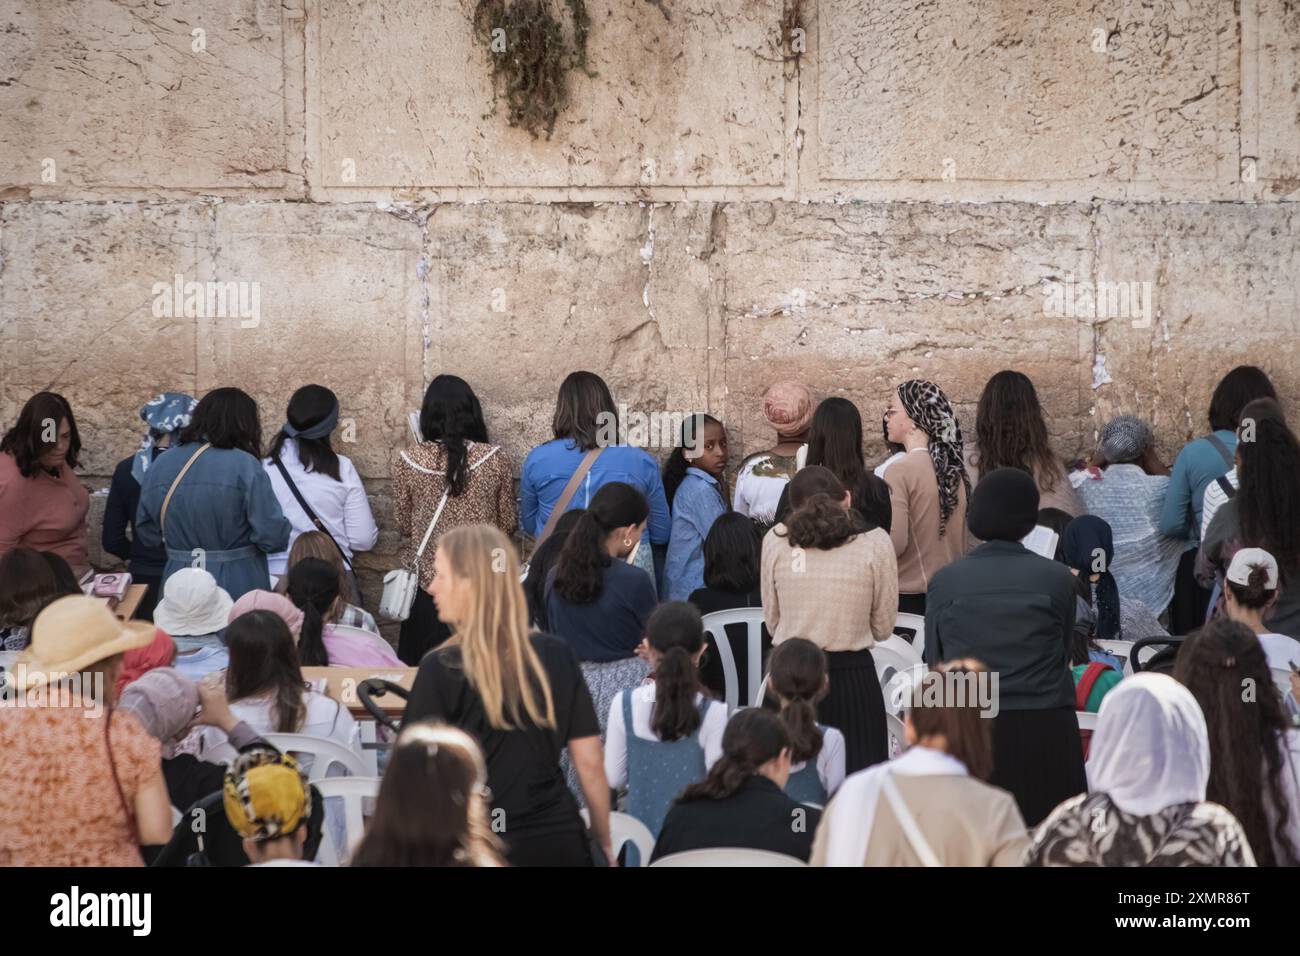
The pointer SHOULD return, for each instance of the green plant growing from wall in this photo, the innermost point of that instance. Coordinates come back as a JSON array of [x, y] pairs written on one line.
[[530, 57]]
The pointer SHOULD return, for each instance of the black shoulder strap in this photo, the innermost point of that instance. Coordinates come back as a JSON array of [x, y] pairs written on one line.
[[1221, 448], [1225, 486], [311, 515]]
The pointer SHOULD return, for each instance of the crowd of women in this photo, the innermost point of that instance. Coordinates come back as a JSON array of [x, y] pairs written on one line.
[[586, 680]]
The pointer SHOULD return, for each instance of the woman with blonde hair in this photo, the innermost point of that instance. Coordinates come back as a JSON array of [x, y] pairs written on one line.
[[521, 696], [431, 809]]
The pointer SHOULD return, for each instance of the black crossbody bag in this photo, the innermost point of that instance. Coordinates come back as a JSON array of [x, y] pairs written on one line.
[[312, 516]]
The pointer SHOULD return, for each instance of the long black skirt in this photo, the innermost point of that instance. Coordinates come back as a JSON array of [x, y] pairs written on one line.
[[855, 706], [1038, 757], [422, 631]]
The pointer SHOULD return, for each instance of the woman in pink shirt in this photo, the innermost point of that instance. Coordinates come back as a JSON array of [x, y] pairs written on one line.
[[316, 589], [42, 503]]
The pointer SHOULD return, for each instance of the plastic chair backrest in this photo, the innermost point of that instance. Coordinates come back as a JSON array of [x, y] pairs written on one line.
[[354, 791], [916, 624], [728, 856], [716, 625], [1123, 650], [1087, 719], [324, 753]]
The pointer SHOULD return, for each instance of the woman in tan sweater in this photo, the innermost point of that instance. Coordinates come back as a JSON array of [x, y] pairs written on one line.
[[827, 579], [931, 806], [928, 488]]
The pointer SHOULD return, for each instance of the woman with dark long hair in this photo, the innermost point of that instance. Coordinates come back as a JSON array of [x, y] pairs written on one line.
[[1254, 752], [597, 600], [742, 802], [666, 733], [520, 695], [1011, 432], [43, 504], [835, 443], [540, 565], [1202, 461], [28, 582], [586, 424], [265, 687], [828, 578], [732, 559], [221, 511], [304, 467], [453, 475], [695, 484], [314, 588], [431, 809], [1264, 514]]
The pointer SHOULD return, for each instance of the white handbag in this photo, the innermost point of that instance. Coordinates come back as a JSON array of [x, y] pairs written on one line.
[[401, 584]]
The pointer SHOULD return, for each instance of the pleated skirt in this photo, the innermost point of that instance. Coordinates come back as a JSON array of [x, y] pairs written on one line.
[[855, 706], [1038, 758]]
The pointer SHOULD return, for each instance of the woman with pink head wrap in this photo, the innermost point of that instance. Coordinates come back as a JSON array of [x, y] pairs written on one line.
[[788, 409], [277, 604]]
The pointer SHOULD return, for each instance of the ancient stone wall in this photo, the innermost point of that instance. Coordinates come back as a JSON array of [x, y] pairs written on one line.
[[895, 188]]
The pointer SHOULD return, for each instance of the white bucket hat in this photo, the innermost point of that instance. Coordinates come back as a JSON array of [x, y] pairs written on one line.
[[192, 604]]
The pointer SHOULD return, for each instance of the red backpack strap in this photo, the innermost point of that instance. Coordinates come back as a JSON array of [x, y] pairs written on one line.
[[1084, 688]]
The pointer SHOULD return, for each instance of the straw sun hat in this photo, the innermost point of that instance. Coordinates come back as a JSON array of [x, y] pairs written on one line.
[[75, 632]]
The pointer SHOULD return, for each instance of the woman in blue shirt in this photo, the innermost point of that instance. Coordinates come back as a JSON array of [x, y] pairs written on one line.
[[696, 493], [586, 418], [1201, 461], [223, 516]]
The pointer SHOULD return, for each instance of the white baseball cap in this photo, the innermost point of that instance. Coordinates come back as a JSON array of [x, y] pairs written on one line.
[[192, 604], [1245, 559]]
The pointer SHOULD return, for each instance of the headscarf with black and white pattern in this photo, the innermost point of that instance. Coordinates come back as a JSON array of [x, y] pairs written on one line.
[[928, 407]]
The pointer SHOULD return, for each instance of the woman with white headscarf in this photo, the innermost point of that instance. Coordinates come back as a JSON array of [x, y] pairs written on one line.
[[1147, 773]]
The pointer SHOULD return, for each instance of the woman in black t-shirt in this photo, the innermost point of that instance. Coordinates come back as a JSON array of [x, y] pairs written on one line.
[[522, 697]]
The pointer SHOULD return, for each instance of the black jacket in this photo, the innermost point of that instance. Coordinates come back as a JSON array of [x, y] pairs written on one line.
[[119, 524], [757, 817], [1013, 610]]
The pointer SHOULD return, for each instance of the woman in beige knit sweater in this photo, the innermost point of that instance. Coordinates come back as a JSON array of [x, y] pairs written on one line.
[[826, 579]]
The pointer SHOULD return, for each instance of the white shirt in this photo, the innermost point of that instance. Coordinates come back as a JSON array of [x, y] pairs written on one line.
[[1280, 650], [757, 495], [325, 718], [643, 700], [342, 505], [830, 761], [1290, 787], [879, 470], [1214, 497]]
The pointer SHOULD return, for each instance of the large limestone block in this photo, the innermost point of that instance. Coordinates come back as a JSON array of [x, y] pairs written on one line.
[[1015, 92], [525, 294], [340, 290], [853, 299], [698, 100], [1273, 115], [114, 93], [78, 307], [1226, 283]]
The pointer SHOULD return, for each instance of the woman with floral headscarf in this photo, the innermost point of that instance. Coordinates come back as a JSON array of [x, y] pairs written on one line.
[[165, 414], [928, 488]]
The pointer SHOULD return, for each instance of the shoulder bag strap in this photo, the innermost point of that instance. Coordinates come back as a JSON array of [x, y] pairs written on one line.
[[567, 495], [1221, 448], [424, 542], [1083, 690], [907, 822], [162, 514], [117, 783], [1226, 487], [311, 515]]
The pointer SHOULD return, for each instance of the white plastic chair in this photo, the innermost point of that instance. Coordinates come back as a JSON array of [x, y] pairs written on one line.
[[1124, 651], [625, 828], [716, 625], [1087, 719], [728, 856], [915, 623], [324, 753], [897, 736], [354, 791], [761, 697]]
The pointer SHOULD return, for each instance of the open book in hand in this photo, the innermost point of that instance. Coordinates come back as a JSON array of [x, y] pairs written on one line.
[[1042, 540]]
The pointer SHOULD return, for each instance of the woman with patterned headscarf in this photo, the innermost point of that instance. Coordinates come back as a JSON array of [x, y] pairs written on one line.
[[164, 414], [928, 488]]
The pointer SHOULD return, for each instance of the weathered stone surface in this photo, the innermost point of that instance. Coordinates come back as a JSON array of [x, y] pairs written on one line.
[[1226, 279], [854, 299], [77, 307], [1016, 92], [696, 100], [115, 94], [1276, 108], [340, 294]]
